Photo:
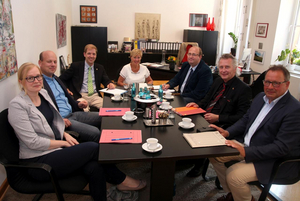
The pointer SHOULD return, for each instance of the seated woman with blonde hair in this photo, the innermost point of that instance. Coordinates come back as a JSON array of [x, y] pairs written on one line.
[[134, 72], [40, 130]]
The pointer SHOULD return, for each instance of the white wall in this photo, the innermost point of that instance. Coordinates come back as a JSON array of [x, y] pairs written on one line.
[[34, 26], [119, 16]]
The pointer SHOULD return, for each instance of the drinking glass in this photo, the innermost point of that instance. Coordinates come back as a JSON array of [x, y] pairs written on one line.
[[125, 95]]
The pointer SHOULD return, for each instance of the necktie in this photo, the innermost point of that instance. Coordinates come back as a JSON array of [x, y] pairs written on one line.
[[188, 79], [212, 104], [90, 82]]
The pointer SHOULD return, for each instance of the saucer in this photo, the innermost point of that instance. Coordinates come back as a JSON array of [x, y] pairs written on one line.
[[145, 147], [113, 98], [170, 107], [186, 127], [134, 118], [168, 98]]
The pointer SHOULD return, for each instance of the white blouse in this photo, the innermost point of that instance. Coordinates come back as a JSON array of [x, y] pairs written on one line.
[[132, 77]]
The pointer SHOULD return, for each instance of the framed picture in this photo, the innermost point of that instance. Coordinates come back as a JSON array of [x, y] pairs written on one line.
[[259, 57], [261, 30], [88, 14], [198, 20]]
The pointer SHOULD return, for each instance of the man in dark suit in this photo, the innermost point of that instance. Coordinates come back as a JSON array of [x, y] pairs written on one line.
[[194, 78], [80, 74], [226, 102], [268, 131], [87, 124]]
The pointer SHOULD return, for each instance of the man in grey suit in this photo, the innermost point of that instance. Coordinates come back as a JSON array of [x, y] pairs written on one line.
[[268, 131]]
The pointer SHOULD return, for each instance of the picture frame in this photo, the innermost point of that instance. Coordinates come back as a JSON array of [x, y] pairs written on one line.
[[198, 20], [259, 56], [112, 46], [88, 14], [261, 30]]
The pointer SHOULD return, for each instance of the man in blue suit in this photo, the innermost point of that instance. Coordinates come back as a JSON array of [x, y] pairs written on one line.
[[268, 131], [194, 78]]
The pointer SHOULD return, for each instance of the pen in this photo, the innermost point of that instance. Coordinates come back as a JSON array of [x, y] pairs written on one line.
[[113, 110], [128, 138]]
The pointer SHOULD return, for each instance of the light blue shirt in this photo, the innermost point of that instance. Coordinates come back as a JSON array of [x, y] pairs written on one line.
[[84, 87], [61, 100], [186, 77], [260, 117]]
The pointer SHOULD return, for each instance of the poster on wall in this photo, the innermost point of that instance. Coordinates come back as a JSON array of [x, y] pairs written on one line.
[[8, 58], [61, 33], [147, 26]]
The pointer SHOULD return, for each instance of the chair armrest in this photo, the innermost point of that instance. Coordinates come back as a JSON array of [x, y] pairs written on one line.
[[30, 165]]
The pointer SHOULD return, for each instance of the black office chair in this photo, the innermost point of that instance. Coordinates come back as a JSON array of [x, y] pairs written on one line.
[[257, 86], [16, 170], [265, 188]]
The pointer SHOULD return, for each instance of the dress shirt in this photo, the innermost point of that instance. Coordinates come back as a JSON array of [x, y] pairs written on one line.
[[84, 87], [62, 101], [260, 117], [186, 77]]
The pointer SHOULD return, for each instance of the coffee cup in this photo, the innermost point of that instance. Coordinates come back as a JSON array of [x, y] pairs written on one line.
[[186, 122], [168, 94], [165, 105], [129, 115], [117, 96], [152, 143]]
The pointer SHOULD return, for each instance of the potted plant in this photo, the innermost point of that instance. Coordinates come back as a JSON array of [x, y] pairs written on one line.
[[171, 60], [294, 58], [235, 40]]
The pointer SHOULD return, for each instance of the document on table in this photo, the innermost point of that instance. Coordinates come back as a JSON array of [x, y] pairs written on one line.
[[156, 88], [184, 111], [113, 91], [154, 65], [204, 139], [121, 136], [113, 111]]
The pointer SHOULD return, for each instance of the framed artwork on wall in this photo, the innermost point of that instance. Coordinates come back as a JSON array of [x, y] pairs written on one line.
[[259, 56], [88, 14], [198, 20], [61, 33], [261, 30]]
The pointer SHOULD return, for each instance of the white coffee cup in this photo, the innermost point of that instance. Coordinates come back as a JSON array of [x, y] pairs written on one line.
[[152, 143], [186, 122], [165, 105], [168, 94], [129, 115], [117, 96]]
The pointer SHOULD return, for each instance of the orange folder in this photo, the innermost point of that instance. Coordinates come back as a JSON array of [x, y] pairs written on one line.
[[121, 136], [184, 111], [113, 111]]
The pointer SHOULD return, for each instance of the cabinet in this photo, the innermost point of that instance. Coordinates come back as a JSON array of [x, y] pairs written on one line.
[[81, 36], [207, 40]]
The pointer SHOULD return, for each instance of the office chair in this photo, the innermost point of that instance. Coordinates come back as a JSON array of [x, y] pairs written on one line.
[[16, 170]]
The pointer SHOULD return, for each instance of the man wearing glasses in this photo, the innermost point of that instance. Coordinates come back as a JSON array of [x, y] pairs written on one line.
[[194, 78], [268, 131]]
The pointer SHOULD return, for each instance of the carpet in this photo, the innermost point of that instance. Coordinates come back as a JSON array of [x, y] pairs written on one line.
[[187, 189]]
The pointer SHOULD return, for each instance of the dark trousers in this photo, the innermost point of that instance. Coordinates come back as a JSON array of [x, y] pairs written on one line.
[[82, 158]]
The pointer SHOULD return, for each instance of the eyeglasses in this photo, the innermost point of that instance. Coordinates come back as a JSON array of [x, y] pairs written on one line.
[[31, 79], [194, 55], [275, 84]]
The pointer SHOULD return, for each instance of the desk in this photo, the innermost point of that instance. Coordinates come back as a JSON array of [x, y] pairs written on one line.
[[163, 162]]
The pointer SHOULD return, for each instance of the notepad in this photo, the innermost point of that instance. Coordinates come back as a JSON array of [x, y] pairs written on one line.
[[113, 91], [113, 111], [184, 111], [108, 135], [205, 139]]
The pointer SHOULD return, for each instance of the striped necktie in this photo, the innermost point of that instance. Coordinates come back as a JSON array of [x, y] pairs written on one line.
[[90, 82], [212, 104]]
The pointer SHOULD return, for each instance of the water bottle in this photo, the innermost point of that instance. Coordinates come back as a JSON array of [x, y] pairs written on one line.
[[141, 93], [160, 93], [133, 90]]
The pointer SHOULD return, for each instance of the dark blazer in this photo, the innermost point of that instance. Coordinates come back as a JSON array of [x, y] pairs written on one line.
[[72, 102], [237, 97], [199, 83], [73, 77], [277, 136]]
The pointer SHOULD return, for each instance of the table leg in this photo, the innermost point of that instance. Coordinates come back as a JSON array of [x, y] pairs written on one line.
[[162, 180]]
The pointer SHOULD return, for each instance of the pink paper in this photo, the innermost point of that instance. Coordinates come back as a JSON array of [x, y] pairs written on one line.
[[113, 111], [107, 136]]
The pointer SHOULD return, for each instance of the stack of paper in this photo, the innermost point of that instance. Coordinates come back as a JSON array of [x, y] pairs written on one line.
[[113, 111], [121, 136], [184, 111], [205, 139], [113, 91]]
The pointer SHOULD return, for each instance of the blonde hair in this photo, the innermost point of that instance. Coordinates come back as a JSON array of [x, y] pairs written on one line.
[[90, 46], [136, 52], [23, 70]]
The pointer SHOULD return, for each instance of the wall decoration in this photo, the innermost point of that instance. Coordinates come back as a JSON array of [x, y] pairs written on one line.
[[88, 14], [259, 56], [61, 33], [261, 30], [8, 57], [198, 20], [147, 26]]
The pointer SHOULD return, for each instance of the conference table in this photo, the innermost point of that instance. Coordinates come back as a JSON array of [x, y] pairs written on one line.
[[163, 163]]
